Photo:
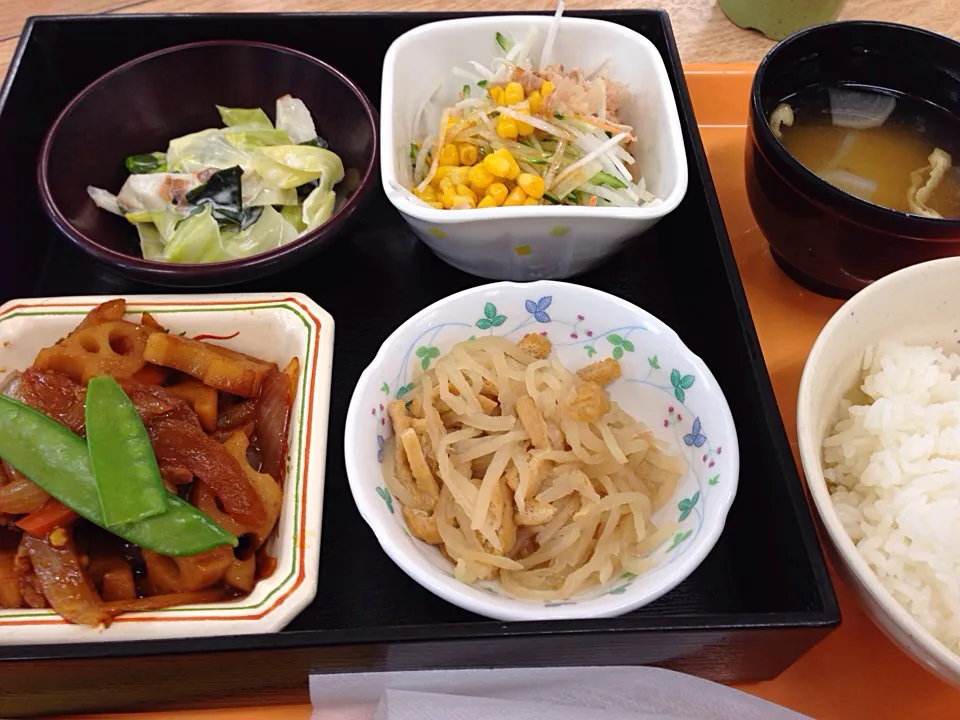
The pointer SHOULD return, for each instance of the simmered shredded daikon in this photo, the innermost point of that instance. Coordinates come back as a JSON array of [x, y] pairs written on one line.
[[522, 471]]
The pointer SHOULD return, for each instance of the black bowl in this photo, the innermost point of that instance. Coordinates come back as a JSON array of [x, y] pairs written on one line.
[[141, 105], [826, 239]]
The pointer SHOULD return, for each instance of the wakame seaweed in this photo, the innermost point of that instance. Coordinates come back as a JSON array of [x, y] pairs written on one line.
[[222, 192]]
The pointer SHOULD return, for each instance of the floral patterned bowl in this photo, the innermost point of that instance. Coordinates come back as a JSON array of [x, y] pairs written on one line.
[[664, 385]]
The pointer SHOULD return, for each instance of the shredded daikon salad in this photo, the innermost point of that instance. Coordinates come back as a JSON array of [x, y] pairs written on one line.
[[522, 133]]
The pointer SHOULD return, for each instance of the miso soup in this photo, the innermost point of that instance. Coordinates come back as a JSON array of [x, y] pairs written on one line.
[[895, 151]]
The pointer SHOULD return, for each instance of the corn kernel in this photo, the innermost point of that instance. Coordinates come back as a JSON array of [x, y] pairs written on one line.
[[468, 154], [496, 94], [546, 87], [536, 101], [446, 184], [497, 165], [487, 202], [451, 123], [516, 197], [428, 195], [479, 177], [514, 170], [448, 197], [507, 127], [531, 201], [462, 202], [449, 155], [437, 205], [497, 192], [466, 192], [456, 173], [524, 128], [512, 93], [532, 185]]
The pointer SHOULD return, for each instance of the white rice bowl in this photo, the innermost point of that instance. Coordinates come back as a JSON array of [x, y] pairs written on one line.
[[892, 465]]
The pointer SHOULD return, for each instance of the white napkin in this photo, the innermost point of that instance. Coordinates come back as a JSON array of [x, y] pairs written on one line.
[[585, 693]]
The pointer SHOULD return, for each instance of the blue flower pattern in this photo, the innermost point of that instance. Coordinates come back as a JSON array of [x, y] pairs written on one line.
[[695, 438], [539, 308]]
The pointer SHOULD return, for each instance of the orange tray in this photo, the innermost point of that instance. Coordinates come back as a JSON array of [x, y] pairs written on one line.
[[855, 672]]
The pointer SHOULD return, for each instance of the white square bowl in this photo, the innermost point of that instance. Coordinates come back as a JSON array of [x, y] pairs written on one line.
[[271, 326], [537, 242]]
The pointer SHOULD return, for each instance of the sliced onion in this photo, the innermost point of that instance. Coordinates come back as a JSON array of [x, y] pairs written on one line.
[[273, 421], [22, 495], [65, 586]]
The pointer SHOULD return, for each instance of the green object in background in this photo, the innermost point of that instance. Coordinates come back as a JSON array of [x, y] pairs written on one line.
[[779, 18]]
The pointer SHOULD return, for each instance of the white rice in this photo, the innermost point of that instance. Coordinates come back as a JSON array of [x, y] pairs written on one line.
[[892, 465]]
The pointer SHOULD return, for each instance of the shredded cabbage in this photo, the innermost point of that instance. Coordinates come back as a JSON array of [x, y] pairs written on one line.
[[294, 117], [250, 138], [251, 118], [205, 149], [318, 207], [104, 200], [196, 240], [151, 243], [289, 166], [230, 192], [269, 232]]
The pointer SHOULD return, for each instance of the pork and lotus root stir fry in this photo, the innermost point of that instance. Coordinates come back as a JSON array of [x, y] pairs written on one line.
[[82, 530]]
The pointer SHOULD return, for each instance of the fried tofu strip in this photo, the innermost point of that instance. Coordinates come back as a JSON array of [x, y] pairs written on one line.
[[426, 483], [535, 345], [602, 372], [533, 422]]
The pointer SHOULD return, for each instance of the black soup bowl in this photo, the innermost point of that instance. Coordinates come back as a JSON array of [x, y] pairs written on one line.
[[141, 105], [824, 238]]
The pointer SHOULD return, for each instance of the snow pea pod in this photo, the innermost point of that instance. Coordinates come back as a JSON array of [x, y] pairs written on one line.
[[58, 461], [122, 459]]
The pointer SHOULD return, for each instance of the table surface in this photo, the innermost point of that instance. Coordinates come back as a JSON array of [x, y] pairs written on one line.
[[856, 672], [703, 32]]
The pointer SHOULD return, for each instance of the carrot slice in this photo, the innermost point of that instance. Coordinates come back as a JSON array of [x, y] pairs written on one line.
[[52, 514]]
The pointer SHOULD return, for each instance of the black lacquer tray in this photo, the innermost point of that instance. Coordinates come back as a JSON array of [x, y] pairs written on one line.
[[759, 600]]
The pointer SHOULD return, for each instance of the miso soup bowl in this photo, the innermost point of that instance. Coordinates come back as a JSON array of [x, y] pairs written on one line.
[[543, 241], [824, 238]]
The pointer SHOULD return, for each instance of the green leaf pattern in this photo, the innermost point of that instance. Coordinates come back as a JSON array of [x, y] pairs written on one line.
[[681, 383], [491, 318], [386, 497], [679, 538], [426, 354], [620, 345], [687, 504]]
